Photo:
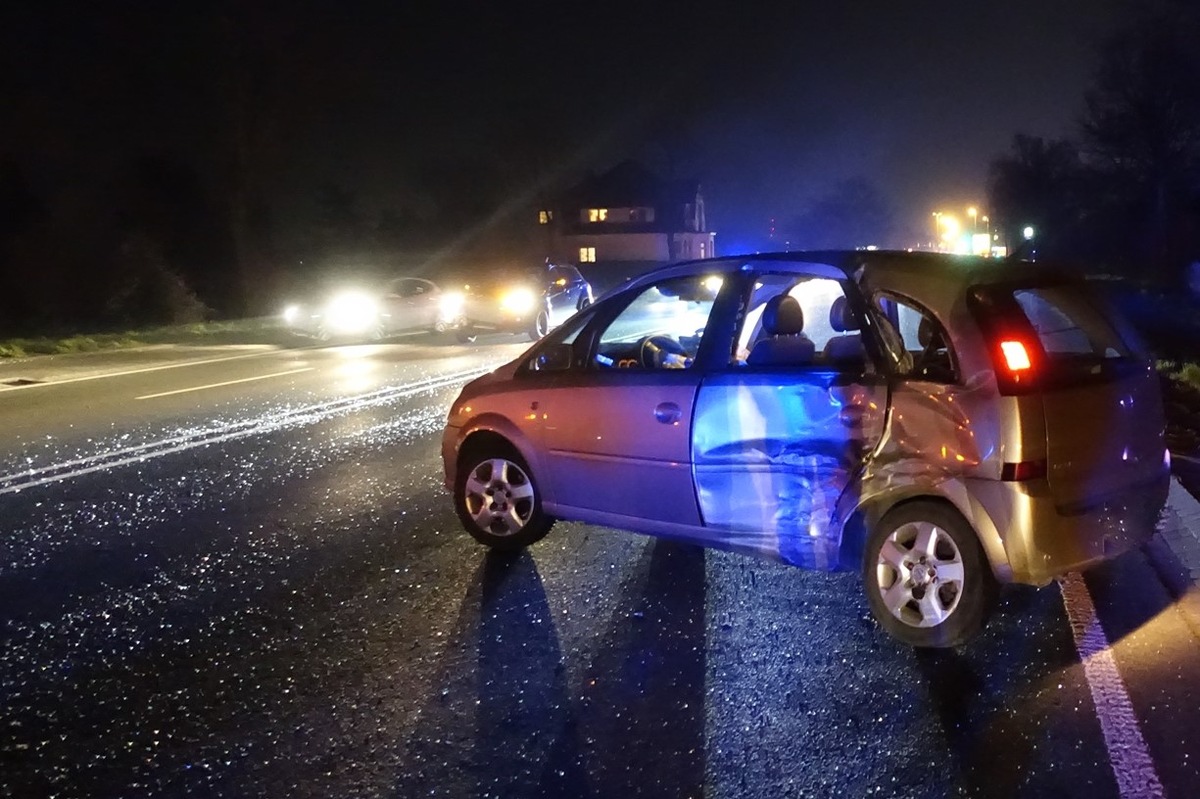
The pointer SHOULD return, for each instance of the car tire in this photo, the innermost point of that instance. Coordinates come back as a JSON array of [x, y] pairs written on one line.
[[498, 500], [540, 326], [927, 579], [465, 335], [583, 303]]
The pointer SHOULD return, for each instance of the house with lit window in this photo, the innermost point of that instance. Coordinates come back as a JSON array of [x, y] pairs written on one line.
[[624, 221]]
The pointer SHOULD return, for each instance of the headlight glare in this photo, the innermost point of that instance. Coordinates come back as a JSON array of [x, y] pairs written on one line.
[[350, 312], [518, 301], [450, 305]]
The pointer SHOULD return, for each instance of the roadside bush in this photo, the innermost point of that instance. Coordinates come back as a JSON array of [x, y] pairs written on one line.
[[146, 291], [1190, 374], [77, 344]]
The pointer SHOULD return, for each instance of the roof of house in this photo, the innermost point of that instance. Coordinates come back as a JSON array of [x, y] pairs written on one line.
[[629, 184]]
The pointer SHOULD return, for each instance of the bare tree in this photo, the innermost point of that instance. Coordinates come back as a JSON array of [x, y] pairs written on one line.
[[1039, 183], [1141, 135]]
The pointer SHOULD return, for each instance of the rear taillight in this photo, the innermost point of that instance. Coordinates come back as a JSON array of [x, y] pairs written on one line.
[[1016, 363], [1023, 470]]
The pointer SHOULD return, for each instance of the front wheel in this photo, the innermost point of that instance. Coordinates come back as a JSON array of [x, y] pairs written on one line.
[[927, 579], [497, 499], [540, 326]]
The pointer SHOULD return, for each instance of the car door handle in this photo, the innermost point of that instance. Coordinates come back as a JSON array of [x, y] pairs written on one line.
[[667, 412]]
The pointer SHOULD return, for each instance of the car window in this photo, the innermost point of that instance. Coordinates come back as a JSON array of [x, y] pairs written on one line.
[[660, 328], [407, 287], [918, 343], [1059, 326], [820, 329], [561, 276], [562, 348], [1067, 325]]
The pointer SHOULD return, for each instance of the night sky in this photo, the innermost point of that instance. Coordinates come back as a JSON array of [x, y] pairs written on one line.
[[767, 105]]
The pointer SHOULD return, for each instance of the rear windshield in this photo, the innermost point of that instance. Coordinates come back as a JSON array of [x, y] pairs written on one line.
[[1070, 325]]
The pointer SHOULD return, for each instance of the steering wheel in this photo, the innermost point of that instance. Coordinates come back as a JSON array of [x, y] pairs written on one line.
[[654, 351]]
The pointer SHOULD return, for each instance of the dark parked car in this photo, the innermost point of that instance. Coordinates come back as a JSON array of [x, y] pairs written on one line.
[[532, 302], [401, 305], [939, 424]]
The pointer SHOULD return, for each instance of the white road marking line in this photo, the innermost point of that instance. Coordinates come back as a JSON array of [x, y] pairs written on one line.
[[7, 389], [1127, 752], [269, 422], [226, 383]]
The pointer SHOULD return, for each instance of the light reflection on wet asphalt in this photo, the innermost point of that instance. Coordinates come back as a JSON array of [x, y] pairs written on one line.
[[298, 614]]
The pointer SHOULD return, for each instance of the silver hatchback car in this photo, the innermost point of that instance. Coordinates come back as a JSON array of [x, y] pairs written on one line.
[[941, 424]]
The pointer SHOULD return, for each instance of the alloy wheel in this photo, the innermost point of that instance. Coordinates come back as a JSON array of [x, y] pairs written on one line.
[[499, 497], [919, 574]]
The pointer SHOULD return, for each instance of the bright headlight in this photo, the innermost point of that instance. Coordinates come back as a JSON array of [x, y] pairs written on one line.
[[451, 304], [350, 312], [517, 301], [291, 314]]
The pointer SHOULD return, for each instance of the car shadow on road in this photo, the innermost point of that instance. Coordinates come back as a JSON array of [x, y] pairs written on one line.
[[513, 715], [640, 712], [500, 700]]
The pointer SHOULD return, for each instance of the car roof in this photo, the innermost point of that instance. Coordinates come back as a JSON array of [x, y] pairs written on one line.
[[933, 276]]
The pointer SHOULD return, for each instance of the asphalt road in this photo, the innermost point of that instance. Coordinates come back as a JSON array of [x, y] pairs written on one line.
[[242, 577]]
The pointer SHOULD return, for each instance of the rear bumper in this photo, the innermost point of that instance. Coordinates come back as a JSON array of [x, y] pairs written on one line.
[[1044, 540]]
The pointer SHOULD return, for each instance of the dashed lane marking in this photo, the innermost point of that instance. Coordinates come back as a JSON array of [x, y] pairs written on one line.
[[225, 383], [29, 383]]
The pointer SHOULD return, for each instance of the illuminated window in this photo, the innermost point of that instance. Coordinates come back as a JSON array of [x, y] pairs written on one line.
[[544, 217], [587, 255], [597, 214]]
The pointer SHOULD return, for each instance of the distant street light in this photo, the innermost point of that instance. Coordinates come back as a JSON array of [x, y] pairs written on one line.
[[1027, 232]]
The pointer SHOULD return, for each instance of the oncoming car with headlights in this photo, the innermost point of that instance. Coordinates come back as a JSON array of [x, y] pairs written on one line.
[[940, 424], [532, 302], [403, 305]]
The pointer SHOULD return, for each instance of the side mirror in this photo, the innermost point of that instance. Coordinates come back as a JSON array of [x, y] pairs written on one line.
[[554, 358]]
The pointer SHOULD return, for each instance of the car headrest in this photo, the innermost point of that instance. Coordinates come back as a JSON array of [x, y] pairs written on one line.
[[927, 333], [840, 318], [783, 316]]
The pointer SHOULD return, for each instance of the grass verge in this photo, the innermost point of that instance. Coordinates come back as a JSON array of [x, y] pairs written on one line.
[[263, 330]]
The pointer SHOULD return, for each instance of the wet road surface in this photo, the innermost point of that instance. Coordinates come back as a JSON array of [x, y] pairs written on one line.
[[296, 612]]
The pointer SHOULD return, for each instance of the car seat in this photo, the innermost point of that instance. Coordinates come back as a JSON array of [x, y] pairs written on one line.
[[786, 344], [844, 349]]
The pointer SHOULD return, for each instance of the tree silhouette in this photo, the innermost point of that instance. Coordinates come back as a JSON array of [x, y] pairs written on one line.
[[1039, 183], [1141, 133]]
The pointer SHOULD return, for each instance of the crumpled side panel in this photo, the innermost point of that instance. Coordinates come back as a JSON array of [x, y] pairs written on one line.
[[773, 452]]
